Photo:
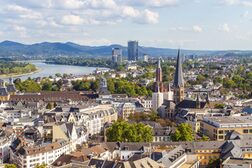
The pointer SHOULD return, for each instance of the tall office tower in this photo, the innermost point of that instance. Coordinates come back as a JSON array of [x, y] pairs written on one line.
[[117, 55], [133, 50], [178, 81]]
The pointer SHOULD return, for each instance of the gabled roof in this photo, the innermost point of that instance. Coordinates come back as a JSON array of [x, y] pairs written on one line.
[[11, 88], [190, 104]]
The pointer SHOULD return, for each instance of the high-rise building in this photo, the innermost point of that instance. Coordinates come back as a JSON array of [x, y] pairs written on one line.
[[133, 50], [146, 58], [117, 55], [178, 80]]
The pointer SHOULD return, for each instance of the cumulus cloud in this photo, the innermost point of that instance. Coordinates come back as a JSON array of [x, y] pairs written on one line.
[[72, 20], [143, 17], [197, 29], [23, 12], [225, 28]]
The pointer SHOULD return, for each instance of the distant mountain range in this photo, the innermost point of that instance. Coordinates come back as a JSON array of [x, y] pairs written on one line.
[[14, 49]]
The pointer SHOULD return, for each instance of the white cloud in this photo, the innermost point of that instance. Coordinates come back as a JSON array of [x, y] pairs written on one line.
[[20, 31], [72, 20], [244, 3], [197, 29], [245, 14], [225, 28], [143, 17], [150, 3], [231, 2], [23, 12], [92, 42], [150, 17], [179, 28]]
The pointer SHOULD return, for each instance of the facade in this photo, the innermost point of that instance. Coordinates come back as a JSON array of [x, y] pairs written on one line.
[[178, 81], [37, 155], [117, 55], [6, 137], [133, 52], [126, 110], [32, 148], [4, 94], [220, 128], [98, 116], [146, 58], [157, 100]]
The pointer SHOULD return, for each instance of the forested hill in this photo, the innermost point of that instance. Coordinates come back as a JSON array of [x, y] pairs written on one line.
[[14, 49]]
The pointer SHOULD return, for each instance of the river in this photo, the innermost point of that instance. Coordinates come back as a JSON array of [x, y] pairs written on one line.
[[46, 70]]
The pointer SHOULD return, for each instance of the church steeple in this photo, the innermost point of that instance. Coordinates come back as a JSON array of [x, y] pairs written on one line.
[[159, 77], [178, 80], [198, 102]]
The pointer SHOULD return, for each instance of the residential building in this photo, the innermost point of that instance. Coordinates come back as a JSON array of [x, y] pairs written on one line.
[[220, 128], [126, 110]]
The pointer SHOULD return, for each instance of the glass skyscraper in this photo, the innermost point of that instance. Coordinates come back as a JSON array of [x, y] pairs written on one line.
[[133, 50]]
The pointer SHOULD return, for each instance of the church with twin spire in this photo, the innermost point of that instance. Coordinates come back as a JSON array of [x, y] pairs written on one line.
[[163, 95]]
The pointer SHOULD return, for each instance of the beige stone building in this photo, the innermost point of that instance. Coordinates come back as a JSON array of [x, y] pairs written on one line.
[[220, 128]]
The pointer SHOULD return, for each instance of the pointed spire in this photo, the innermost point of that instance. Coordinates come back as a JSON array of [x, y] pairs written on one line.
[[178, 78], [169, 87], [158, 88], [207, 98], [159, 63], [159, 77], [198, 101], [11, 81]]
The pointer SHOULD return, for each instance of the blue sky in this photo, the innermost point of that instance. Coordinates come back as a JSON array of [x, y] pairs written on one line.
[[190, 24]]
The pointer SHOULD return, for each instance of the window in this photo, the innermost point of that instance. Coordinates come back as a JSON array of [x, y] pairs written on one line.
[[220, 131], [245, 131], [221, 137]]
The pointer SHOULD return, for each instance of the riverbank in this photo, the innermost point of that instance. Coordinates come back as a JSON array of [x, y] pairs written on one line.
[[16, 75]]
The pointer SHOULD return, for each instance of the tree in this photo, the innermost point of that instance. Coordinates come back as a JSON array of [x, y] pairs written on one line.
[[183, 132], [201, 78], [228, 83], [50, 106], [41, 166], [219, 106], [122, 131], [47, 86], [10, 166], [58, 75], [204, 138], [28, 85]]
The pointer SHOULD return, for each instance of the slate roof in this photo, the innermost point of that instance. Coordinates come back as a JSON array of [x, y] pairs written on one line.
[[3, 91], [178, 78], [11, 88], [190, 104]]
